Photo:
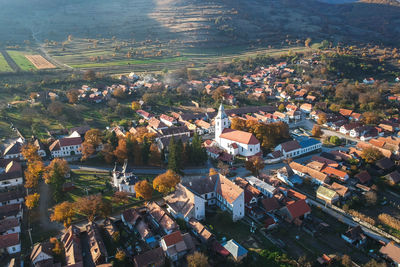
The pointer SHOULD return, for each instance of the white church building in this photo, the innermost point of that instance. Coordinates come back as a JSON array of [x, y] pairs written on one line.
[[235, 142]]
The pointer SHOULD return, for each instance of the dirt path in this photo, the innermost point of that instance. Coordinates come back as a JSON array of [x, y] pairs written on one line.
[[10, 61], [44, 209]]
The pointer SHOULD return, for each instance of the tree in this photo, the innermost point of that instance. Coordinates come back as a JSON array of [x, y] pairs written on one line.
[[370, 118], [135, 105], [174, 156], [57, 247], [144, 190], [89, 75], [307, 42], [32, 174], [254, 165], [108, 153], [166, 182], [30, 153], [118, 93], [93, 139], [120, 197], [121, 152], [238, 124], [316, 131], [63, 212], [334, 107], [321, 118], [281, 107], [72, 96], [374, 263], [55, 175], [212, 172], [155, 155], [371, 155], [223, 168], [31, 201], [120, 255], [90, 206], [346, 261], [56, 108], [335, 140], [371, 198], [218, 94], [197, 259]]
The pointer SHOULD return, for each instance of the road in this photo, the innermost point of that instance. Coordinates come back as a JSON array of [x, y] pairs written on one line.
[[340, 135]]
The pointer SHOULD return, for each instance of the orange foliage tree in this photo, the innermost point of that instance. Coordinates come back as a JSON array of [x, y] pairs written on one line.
[[63, 212], [31, 201], [166, 182], [144, 190]]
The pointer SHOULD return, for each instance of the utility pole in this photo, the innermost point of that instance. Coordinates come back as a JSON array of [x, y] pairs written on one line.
[[30, 235]]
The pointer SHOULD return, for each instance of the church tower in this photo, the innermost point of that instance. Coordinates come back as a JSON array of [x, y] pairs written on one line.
[[221, 122]]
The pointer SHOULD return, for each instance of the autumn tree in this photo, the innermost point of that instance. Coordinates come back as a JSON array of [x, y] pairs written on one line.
[[218, 94], [197, 259], [135, 105], [30, 152], [238, 124], [316, 131], [346, 261], [120, 197], [321, 119], [93, 139], [254, 165], [121, 152], [166, 182], [72, 96], [144, 190], [90, 206], [107, 153], [32, 174], [307, 42], [370, 118], [371, 154], [55, 175], [281, 107], [118, 93], [31, 201], [371, 198], [155, 155], [63, 212], [223, 168], [212, 172], [89, 75], [57, 247], [120, 255]]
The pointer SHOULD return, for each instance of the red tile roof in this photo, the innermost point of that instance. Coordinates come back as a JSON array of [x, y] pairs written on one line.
[[363, 177], [239, 136], [298, 208], [9, 240], [173, 238]]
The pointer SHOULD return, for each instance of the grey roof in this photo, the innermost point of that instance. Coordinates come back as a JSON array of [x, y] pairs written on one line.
[[202, 185], [234, 248]]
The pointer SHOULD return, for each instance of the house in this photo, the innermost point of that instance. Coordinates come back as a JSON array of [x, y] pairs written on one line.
[[335, 173], [145, 233], [235, 142], [265, 188], [391, 251], [167, 120], [286, 175], [160, 219], [10, 226], [251, 194], [295, 211], [109, 227], [66, 147], [385, 164], [346, 128], [10, 174], [176, 245], [294, 148], [42, 255], [220, 191], [130, 217], [151, 258], [327, 195], [96, 244], [11, 211], [13, 151], [363, 177], [10, 243], [306, 108], [156, 125], [393, 178], [201, 231], [368, 81], [355, 236], [72, 247], [316, 177], [183, 203], [345, 112], [144, 114], [270, 204], [12, 197], [235, 249], [343, 191]]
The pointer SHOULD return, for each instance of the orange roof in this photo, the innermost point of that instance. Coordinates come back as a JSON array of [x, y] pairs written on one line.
[[298, 208], [340, 189], [239, 136], [173, 238], [345, 112], [228, 190], [306, 107], [335, 172]]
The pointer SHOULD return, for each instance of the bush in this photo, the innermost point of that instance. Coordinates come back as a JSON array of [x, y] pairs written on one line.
[[389, 221], [362, 217]]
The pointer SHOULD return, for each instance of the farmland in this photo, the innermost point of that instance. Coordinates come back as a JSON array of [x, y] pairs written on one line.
[[4, 67], [39, 62], [20, 59]]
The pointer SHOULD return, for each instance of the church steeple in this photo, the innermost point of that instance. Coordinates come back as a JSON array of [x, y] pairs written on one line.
[[221, 122]]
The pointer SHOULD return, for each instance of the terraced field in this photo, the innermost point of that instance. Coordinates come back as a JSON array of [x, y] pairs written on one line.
[[20, 59], [4, 67]]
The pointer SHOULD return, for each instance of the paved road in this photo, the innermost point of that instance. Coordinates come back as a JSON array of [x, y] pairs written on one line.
[[338, 134]]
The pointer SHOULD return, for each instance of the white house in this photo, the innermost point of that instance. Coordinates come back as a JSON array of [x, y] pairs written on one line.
[[294, 148], [10, 226], [234, 141], [10, 243], [10, 174], [66, 147], [167, 120], [11, 197], [13, 151], [265, 188]]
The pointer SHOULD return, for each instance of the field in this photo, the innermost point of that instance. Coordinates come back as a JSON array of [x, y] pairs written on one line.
[[20, 59], [4, 67], [40, 62]]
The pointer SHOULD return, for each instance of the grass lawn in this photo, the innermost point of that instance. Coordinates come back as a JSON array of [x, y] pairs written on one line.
[[129, 62], [4, 67], [21, 60]]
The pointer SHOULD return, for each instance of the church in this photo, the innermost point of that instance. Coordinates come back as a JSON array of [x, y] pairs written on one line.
[[235, 142]]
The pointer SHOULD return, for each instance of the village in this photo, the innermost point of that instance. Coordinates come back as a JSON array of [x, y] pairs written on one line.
[[292, 177]]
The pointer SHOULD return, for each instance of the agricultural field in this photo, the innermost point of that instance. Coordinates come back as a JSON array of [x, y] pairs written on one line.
[[19, 58], [40, 62], [4, 67]]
